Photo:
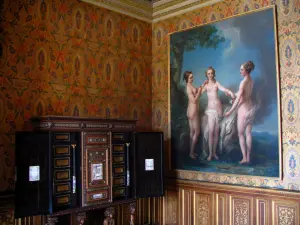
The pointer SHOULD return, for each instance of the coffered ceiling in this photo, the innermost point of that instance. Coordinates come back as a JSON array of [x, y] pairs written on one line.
[[151, 10]]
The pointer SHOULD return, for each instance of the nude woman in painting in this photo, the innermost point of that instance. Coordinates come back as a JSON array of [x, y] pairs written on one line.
[[192, 111], [214, 110], [245, 112]]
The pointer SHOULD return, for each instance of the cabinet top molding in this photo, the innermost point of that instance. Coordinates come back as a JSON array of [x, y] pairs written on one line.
[[75, 123]]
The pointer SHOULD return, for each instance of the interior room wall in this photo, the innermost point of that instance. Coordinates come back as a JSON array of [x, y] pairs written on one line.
[[288, 39], [72, 59]]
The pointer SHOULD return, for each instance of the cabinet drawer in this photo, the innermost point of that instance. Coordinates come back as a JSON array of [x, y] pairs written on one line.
[[62, 188], [118, 148], [118, 136], [96, 138], [61, 175], [62, 162], [97, 196], [61, 150], [118, 170], [118, 159], [62, 137], [118, 181], [118, 192], [63, 200]]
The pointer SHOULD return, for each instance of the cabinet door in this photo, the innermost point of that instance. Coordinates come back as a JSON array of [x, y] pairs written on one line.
[[96, 168], [33, 185], [148, 157]]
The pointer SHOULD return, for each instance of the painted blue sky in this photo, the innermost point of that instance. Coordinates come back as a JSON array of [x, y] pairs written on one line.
[[248, 37]]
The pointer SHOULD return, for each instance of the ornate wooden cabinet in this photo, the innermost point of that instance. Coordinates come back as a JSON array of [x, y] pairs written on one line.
[[71, 163]]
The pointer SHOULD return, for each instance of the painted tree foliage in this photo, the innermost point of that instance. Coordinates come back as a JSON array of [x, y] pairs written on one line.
[[206, 36]]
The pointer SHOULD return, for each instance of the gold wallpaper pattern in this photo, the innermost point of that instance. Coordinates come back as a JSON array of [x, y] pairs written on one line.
[[289, 62], [73, 59]]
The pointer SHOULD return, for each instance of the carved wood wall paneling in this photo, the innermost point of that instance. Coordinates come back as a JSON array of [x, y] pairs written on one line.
[[160, 216], [185, 207], [143, 210], [262, 211], [285, 212], [241, 210], [221, 209], [228, 205], [172, 207], [156, 209], [203, 208]]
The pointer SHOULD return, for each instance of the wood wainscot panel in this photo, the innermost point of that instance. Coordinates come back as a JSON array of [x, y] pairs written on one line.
[[143, 210], [262, 211], [203, 208], [285, 212], [185, 210], [241, 210], [171, 206], [193, 202], [221, 209]]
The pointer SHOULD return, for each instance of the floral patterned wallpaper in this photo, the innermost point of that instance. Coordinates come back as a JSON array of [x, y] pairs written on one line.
[[288, 21], [65, 57]]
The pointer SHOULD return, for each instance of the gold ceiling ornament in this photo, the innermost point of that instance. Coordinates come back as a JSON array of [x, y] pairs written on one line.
[[152, 11]]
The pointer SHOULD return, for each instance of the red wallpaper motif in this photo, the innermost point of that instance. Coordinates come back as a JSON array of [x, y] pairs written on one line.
[[70, 58]]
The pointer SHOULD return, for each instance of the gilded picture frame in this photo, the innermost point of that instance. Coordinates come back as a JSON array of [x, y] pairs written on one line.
[[226, 45]]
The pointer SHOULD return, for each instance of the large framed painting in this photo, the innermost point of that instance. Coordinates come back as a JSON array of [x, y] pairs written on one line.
[[224, 97]]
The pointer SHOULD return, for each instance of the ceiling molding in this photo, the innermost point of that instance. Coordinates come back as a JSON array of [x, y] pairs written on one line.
[[152, 11], [138, 9]]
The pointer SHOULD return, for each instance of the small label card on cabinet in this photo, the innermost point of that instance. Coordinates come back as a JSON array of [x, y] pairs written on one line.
[[149, 164], [97, 172], [34, 173]]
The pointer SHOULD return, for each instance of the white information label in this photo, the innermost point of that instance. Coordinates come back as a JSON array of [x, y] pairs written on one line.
[[34, 173], [97, 171], [149, 164], [97, 196]]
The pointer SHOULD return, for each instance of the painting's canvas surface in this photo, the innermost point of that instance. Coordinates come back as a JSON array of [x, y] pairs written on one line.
[[226, 45]]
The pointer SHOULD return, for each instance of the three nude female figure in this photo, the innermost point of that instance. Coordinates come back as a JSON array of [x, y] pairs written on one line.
[[214, 111]]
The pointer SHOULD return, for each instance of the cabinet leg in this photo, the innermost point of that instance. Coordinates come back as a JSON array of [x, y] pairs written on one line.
[[81, 217], [51, 220], [132, 207], [109, 214]]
